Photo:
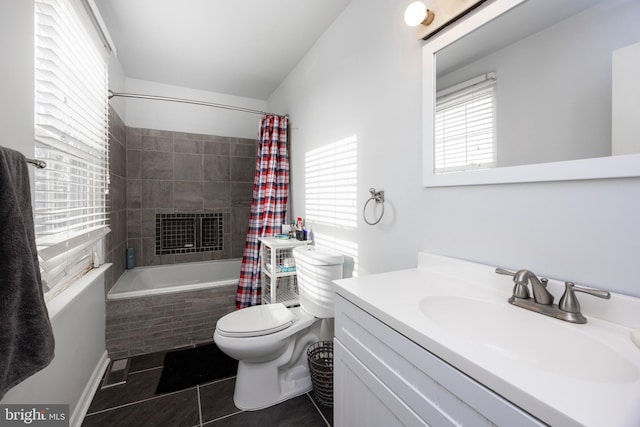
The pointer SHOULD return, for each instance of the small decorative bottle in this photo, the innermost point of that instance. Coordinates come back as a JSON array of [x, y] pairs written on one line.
[[131, 258]]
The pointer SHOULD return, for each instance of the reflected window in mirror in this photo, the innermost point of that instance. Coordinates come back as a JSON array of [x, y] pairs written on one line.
[[465, 137]]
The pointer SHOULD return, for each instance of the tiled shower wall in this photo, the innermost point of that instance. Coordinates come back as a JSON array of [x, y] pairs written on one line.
[[169, 172], [117, 239], [154, 171]]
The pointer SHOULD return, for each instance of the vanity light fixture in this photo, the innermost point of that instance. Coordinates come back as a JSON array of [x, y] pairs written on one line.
[[417, 13], [427, 23]]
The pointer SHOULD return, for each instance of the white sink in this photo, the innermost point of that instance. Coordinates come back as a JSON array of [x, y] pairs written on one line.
[[563, 373], [522, 336]]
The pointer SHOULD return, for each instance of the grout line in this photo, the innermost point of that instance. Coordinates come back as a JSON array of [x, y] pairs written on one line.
[[218, 381], [318, 409], [145, 370], [222, 417], [139, 401], [199, 404]]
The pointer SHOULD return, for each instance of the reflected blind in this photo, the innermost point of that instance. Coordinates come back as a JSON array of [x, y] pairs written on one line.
[[465, 126], [71, 126]]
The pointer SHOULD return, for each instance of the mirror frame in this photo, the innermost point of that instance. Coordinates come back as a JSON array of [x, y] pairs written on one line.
[[619, 166]]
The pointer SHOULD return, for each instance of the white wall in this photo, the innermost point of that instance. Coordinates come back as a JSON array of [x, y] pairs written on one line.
[[78, 321], [117, 84], [625, 100], [173, 116], [16, 82], [363, 77]]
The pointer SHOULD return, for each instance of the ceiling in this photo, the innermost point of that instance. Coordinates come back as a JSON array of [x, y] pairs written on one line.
[[237, 47]]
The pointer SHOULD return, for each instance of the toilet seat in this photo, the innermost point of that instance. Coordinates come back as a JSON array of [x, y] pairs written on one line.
[[256, 321]]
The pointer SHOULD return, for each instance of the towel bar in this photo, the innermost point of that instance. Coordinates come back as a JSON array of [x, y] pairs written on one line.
[[37, 163]]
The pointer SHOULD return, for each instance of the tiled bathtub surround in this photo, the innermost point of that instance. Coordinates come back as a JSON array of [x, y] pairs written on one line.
[[162, 172], [161, 322], [171, 172]]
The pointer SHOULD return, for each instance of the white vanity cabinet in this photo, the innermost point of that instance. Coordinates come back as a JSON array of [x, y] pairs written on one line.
[[382, 378]]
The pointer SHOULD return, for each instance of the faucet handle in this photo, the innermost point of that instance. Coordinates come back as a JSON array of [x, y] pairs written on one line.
[[570, 303], [505, 272], [520, 290]]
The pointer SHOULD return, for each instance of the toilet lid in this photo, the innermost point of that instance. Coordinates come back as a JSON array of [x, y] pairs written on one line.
[[255, 321]]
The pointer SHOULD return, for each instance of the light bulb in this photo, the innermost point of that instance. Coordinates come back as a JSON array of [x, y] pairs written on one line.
[[415, 13]]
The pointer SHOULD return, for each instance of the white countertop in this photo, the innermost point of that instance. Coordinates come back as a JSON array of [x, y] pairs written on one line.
[[549, 394]]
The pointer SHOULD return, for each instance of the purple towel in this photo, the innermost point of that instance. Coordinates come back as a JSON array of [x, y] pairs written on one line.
[[26, 337]]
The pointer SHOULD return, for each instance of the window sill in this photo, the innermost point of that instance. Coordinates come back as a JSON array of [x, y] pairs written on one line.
[[58, 304]]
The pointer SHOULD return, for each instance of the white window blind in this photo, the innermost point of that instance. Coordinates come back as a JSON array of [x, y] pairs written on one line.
[[71, 127], [465, 126]]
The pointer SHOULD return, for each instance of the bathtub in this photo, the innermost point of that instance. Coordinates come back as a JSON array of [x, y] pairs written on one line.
[[164, 279], [152, 309]]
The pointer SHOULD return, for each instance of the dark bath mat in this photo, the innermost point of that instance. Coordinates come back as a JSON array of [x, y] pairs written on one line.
[[187, 368]]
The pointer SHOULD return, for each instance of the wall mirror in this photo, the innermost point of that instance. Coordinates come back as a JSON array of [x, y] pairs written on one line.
[[528, 90]]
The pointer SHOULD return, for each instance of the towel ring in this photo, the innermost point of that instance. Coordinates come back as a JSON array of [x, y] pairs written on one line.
[[378, 196]]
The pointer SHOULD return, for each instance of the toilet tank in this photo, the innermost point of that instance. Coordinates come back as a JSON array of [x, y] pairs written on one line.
[[316, 268]]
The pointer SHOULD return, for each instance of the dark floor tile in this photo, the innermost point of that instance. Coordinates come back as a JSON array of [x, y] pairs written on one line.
[[116, 373], [135, 404], [216, 399], [326, 411], [295, 412], [147, 361], [139, 386], [173, 410]]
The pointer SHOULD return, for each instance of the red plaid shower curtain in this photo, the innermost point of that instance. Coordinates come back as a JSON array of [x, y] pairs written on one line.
[[269, 204]]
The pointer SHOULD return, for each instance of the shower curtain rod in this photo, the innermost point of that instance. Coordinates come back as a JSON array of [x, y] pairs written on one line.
[[113, 94]]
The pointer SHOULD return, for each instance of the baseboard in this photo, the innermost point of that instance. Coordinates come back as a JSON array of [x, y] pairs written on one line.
[[90, 389]]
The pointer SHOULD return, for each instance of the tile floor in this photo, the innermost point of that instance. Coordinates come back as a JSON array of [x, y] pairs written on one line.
[[135, 404]]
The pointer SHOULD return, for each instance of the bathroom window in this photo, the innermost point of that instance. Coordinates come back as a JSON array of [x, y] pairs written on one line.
[[465, 136], [71, 126]]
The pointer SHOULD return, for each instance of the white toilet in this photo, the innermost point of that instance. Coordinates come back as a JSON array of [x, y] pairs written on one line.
[[270, 341]]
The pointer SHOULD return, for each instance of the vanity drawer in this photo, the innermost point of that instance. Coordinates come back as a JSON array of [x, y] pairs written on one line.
[[409, 380]]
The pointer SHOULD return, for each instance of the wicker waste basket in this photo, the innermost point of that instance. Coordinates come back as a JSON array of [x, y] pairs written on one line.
[[320, 357]]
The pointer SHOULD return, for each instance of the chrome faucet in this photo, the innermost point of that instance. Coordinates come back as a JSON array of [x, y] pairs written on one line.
[[539, 286], [567, 309]]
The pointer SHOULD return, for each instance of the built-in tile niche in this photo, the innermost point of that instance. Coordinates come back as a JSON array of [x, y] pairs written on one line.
[[184, 233], [176, 172]]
